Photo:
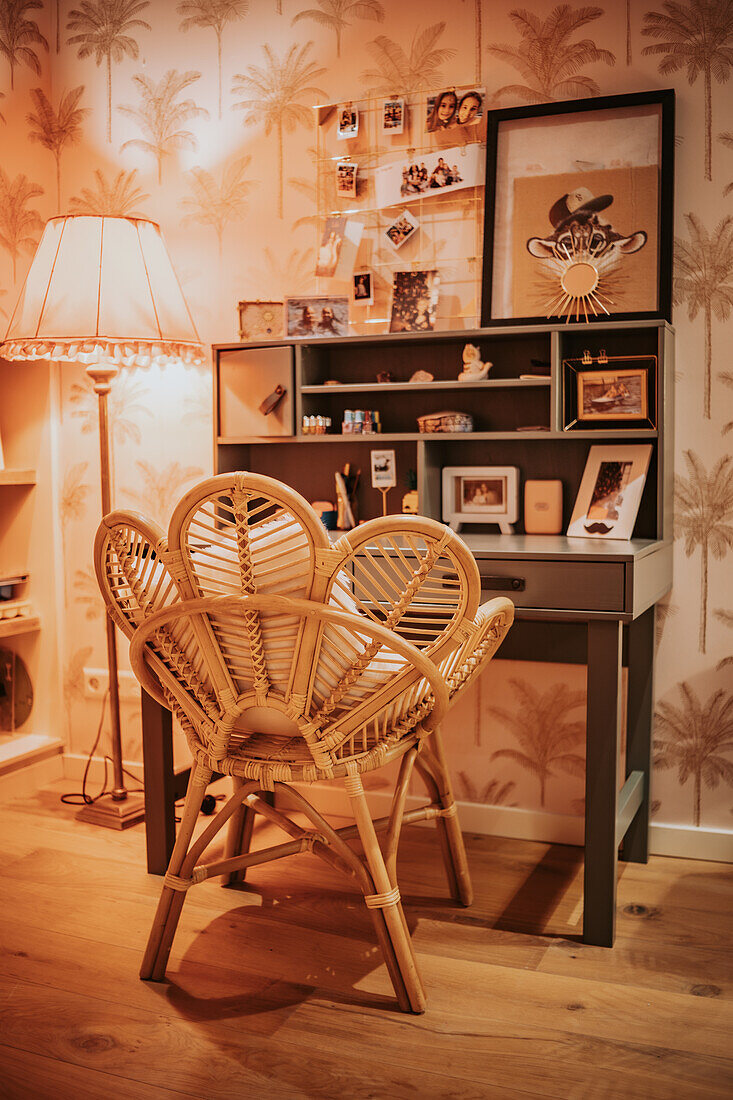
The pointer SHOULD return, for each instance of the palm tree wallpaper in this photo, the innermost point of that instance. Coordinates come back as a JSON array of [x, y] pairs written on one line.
[[199, 114], [56, 129]]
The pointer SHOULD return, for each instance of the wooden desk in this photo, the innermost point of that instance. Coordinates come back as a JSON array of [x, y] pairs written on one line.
[[578, 601]]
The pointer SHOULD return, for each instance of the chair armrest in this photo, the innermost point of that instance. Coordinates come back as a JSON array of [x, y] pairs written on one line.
[[490, 627], [416, 661]]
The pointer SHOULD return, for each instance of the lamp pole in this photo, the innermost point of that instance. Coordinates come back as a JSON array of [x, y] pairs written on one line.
[[114, 815]]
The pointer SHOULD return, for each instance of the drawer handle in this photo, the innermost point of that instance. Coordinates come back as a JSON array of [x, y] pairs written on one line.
[[503, 584]]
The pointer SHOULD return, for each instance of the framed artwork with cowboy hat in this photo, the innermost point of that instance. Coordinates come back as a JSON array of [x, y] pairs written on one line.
[[579, 219]]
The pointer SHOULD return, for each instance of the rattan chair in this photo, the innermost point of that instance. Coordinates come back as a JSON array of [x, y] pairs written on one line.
[[290, 661]]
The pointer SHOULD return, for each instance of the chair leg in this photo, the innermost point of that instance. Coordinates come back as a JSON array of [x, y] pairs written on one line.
[[171, 901], [394, 916], [239, 835], [449, 829]]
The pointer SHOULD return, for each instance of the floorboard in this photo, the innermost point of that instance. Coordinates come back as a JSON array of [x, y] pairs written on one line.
[[277, 988]]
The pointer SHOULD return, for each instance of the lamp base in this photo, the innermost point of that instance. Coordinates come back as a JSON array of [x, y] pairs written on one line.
[[114, 815]]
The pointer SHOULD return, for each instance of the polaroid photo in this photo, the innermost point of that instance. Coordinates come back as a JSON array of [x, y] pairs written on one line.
[[452, 108], [346, 178], [393, 116], [414, 301], [348, 121], [329, 249], [324, 316], [363, 288], [402, 229], [384, 469]]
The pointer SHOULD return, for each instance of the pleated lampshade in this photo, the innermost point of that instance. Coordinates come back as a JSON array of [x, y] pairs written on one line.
[[102, 290]]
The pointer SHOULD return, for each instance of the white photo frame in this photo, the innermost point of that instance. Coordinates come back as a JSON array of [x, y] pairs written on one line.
[[362, 288], [402, 229], [393, 116], [610, 492], [346, 176], [347, 121], [481, 494], [384, 469]]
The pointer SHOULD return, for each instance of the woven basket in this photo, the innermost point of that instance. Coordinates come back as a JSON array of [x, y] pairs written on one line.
[[445, 422]]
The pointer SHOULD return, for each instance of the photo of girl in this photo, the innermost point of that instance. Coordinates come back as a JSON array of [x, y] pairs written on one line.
[[443, 111]]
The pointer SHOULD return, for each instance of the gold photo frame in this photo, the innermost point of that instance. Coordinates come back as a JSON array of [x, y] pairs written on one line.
[[261, 320]]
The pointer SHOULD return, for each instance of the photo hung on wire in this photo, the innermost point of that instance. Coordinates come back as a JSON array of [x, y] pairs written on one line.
[[432, 174], [414, 301], [393, 116], [317, 316], [329, 249], [347, 122], [452, 107], [402, 229], [346, 179], [363, 288]]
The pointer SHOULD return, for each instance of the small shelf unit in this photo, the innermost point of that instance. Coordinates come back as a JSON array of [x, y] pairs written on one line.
[[517, 421]]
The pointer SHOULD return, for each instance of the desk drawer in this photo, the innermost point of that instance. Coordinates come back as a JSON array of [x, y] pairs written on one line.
[[555, 585]]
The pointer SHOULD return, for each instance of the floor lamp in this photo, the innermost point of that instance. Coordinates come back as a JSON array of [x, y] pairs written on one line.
[[102, 291]]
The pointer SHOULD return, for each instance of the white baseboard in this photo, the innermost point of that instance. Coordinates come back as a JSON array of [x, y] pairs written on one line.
[[475, 817], [687, 842], [683, 841], [74, 764]]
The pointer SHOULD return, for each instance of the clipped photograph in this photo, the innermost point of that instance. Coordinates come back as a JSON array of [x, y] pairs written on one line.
[[402, 229], [346, 179], [324, 316], [348, 121], [363, 288], [393, 116], [414, 301], [451, 108], [435, 173], [329, 249]]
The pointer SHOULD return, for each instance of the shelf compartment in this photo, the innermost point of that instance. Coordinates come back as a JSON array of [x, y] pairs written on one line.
[[17, 477], [398, 387], [11, 628]]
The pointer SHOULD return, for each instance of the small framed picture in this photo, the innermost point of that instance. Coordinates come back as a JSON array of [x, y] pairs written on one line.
[[329, 249], [393, 116], [414, 301], [402, 229], [346, 178], [363, 288], [326, 316], [384, 470], [481, 494], [348, 121], [614, 392], [260, 320], [610, 492]]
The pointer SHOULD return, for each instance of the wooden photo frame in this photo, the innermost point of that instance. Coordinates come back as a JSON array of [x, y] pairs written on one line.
[[579, 210], [481, 494], [610, 492], [261, 320], [610, 392]]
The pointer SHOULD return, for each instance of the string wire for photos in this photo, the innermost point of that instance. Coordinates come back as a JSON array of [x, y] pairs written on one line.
[[370, 160]]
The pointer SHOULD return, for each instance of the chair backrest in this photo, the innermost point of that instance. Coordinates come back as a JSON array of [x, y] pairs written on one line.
[[320, 679]]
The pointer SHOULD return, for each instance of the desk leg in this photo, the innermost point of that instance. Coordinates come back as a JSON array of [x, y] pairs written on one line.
[[635, 848], [602, 740], [160, 782]]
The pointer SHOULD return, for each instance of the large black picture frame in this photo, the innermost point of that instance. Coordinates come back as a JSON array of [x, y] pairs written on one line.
[[665, 101]]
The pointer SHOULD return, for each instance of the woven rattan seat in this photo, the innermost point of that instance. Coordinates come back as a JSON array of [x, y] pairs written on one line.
[[289, 661]]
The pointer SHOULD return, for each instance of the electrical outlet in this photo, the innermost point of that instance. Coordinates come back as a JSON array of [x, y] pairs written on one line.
[[96, 682]]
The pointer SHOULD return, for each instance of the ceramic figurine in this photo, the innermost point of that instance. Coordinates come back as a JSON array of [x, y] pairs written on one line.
[[473, 369]]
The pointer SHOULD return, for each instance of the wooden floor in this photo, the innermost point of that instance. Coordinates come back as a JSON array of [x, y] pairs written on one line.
[[277, 989]]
